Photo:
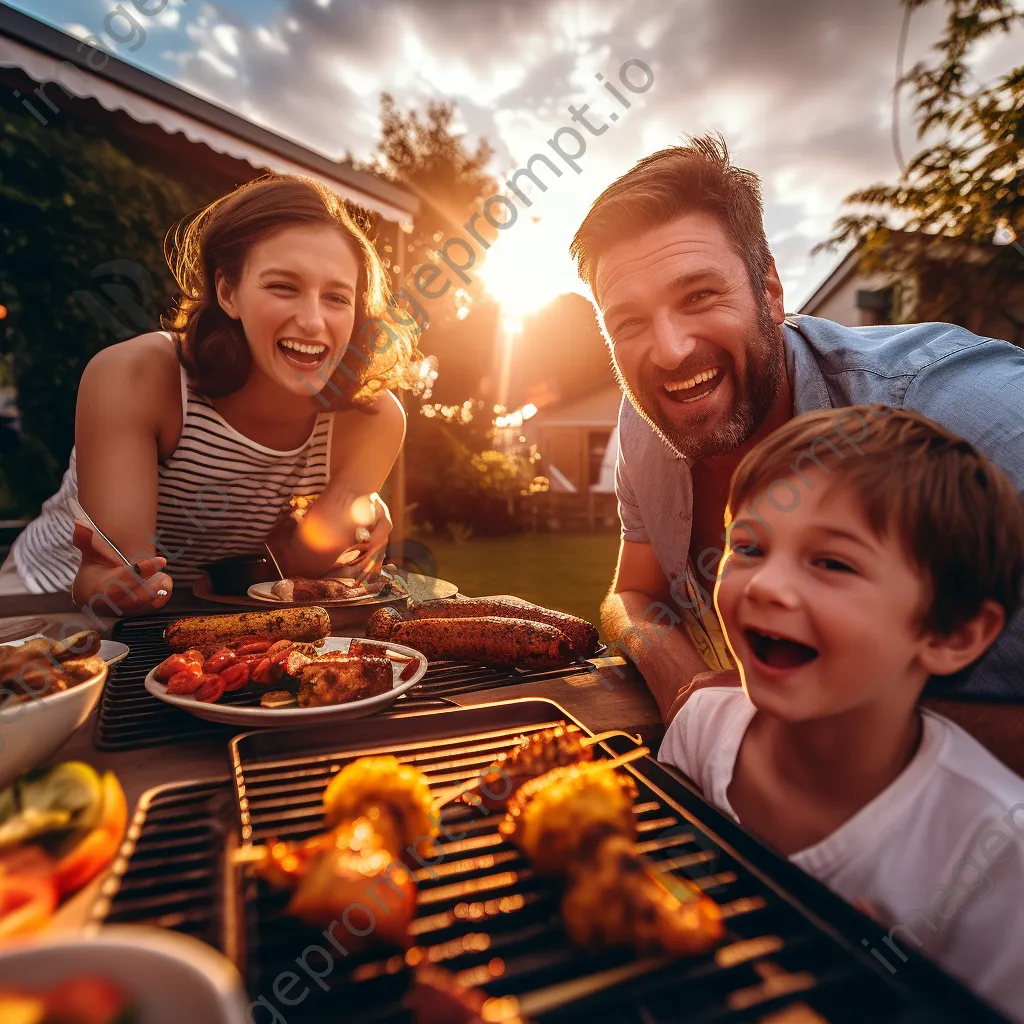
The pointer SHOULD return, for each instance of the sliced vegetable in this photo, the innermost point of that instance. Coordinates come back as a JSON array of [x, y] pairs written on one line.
[[67, 797], [86, 999], [235, 676], [183, 683], [97, 849], [211, 688], [21, 1008], [220, 661], [27, 903]]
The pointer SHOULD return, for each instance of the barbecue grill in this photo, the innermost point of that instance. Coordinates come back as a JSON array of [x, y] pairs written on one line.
[[484, 915], [131, 718]]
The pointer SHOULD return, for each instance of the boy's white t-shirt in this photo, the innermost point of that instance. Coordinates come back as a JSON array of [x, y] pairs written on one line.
[[938, 855]]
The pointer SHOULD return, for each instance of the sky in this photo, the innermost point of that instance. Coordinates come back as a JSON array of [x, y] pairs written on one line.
[[802, 90]]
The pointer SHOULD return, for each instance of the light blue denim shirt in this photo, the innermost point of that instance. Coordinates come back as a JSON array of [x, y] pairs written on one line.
[[973, 386]]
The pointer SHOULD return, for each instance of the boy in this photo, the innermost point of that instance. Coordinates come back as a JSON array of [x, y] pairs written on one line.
[[852, 575]]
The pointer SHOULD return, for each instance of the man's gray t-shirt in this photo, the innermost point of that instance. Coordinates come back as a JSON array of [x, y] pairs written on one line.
[[971, 385]]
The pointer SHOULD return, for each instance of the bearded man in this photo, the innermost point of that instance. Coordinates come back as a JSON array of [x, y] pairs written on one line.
[[691, 304]]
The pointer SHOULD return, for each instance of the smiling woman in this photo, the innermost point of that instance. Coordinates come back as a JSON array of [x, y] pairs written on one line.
[[272, 380]]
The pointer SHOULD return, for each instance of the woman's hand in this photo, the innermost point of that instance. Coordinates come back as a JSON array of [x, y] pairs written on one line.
[[372, 546], [103, 576]]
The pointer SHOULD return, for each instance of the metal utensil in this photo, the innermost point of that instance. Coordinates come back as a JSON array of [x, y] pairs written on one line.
[[80, 513], [274, 560]]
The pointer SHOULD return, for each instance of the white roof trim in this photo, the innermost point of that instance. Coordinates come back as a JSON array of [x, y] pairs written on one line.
[[63, 74]]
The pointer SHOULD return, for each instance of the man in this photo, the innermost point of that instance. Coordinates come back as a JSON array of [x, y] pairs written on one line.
[[691, 304]]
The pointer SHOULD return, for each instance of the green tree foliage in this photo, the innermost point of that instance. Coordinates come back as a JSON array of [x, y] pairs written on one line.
[[424, 153], [81, 229], [936, 225]]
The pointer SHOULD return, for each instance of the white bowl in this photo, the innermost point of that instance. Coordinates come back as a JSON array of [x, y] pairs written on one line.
[[35, 729], [171, 978]]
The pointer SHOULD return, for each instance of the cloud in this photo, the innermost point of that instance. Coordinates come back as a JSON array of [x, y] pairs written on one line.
[[802, 89]]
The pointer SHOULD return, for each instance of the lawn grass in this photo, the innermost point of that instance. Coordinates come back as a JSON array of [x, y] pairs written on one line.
[[567, 571]]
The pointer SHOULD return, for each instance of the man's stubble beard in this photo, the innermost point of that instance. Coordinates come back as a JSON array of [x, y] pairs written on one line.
[[756, 394]]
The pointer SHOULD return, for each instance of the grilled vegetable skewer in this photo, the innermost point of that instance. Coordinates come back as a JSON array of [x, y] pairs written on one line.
[[555, 818], [533, 755], [615, 898]]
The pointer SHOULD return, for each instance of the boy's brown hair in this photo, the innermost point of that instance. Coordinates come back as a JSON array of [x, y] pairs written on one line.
[[957, 514], [697, 177]]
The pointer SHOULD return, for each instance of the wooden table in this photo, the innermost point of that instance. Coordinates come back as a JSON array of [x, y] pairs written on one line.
[[611, 697]]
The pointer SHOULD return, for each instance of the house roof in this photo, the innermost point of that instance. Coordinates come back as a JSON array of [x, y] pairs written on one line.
[[835, 279], [40, 50], [596, 408]]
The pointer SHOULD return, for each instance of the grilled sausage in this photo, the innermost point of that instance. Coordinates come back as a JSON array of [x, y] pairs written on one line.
[[582, 634], [211, 632], [490, 639]]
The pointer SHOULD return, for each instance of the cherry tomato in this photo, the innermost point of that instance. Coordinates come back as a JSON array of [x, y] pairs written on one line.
[[219, 661], [261, 673], [211, 688], [175, 663], [248, 638], [183, 683], [256, 647], [235, 676], [276, 657], [252, 660], [195, 656]]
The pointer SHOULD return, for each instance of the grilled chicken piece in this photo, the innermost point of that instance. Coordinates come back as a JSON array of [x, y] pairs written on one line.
[[392, 789], [331, 876], [535, 755], [341, 679], [556, 818], [616, 900]]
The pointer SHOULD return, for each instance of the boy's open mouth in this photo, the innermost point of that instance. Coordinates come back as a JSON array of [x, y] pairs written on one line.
[[778, 651], [302, 353]]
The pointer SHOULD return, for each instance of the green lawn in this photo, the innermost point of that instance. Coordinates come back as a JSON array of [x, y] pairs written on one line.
[[567, 571]]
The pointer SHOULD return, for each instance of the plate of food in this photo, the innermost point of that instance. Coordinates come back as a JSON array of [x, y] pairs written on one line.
[[330, 590], [274, 668], [79, 645]]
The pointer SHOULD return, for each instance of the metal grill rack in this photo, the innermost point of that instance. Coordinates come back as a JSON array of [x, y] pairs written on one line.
[[483, 914], [130, 718], [170, 872]]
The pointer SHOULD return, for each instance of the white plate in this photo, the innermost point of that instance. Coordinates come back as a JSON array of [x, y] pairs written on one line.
[[111, 651], [258, 717], [263, 592]]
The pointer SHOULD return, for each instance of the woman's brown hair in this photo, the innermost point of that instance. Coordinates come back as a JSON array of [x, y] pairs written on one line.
[[382, 352]]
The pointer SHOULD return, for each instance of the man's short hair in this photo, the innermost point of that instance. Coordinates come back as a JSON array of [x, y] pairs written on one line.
[[697, 177], [956, 514]]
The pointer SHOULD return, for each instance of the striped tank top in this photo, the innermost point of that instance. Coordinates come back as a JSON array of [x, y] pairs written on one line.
[[219, 494]]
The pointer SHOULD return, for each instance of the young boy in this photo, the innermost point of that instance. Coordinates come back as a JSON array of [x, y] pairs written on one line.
[[863, 560]]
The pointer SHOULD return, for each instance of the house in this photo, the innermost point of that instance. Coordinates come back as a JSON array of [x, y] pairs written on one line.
[[980, 287], [577, 444], [56, 76]]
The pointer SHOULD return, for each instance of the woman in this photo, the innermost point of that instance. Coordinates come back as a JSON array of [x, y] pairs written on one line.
[[270, 383]]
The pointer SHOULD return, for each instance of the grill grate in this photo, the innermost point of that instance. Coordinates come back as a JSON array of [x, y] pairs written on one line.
[[483, 914], [130, 718], [170, 872]]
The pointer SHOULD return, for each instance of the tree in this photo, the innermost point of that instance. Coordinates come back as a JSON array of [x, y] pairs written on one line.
[[81, 267], [423, 153], [936, 226]]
